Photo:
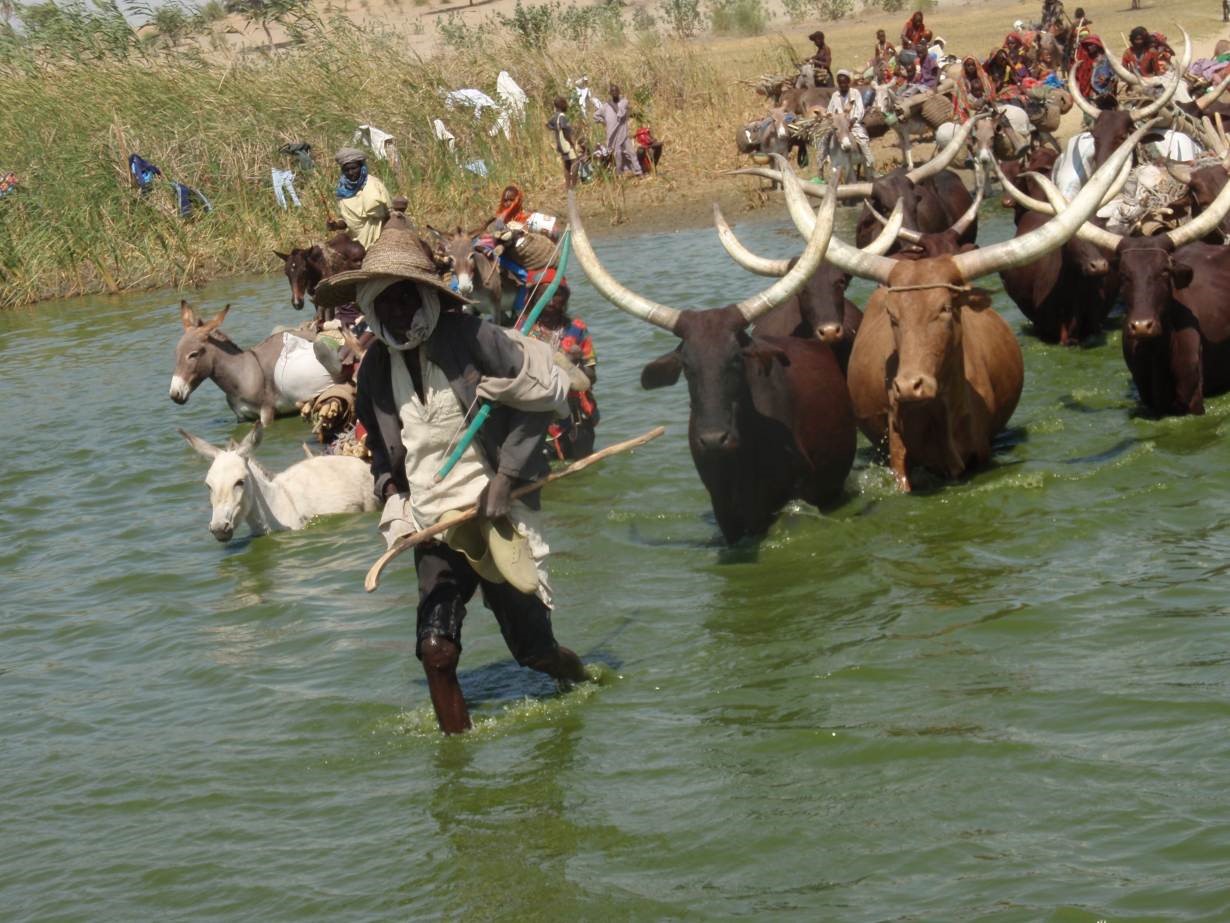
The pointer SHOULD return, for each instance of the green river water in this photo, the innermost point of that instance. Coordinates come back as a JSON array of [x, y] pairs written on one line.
[[1004, 699]]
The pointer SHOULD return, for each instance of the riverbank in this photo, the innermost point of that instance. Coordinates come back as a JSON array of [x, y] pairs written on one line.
[[77, 226]]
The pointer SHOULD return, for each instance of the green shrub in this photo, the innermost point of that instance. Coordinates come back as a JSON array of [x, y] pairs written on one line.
[[798, 10], [532, 24], [738, 17], [682, 16], [835, 9]]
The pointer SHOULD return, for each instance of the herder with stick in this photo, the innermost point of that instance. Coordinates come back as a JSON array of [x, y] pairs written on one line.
[[416, 384]]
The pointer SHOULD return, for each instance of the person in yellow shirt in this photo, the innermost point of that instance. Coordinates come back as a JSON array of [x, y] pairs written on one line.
[[363, 200]]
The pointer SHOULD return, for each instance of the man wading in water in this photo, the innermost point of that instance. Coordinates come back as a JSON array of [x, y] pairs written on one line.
[[416, 384]]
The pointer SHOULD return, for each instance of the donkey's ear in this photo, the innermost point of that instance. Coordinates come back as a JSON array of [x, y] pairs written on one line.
[[202, 447], [252, 440], [188, 316], [282, 256], [216, 321]]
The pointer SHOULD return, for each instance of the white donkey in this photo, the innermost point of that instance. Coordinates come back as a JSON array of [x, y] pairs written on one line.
[[242, 489]]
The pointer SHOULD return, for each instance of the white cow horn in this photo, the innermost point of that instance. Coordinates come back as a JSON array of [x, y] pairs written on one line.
[[846, 258], [1180, 171], [804, 220], [1078, 97], [940, 161], [624, 299], [743, 256], [1056, 232], [816, 192], [1122, 72], [962, 224], [1147, 112], [1088, 232], [1204, 223], [913, 237], [1208, 99], [806, 266]]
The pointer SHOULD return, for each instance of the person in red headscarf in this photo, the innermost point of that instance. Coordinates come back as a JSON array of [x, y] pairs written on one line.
[[915, 31], [974, 89], [1143, 56], [1093, 72], [511, 202]]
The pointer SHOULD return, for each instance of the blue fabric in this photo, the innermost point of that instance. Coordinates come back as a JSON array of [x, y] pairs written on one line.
[[183, 200], [143, 172], [348, 190], [518, 271], [1054, 80]]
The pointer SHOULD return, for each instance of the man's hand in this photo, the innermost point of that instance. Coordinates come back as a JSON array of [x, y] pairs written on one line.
[[495, 498]]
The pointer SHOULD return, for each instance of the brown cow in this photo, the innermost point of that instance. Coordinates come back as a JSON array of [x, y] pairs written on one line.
[[1176, 332], [821, 309], [770, 416], [935, 372]]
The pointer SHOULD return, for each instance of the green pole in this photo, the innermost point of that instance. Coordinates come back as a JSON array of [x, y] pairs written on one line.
[[565, 247]]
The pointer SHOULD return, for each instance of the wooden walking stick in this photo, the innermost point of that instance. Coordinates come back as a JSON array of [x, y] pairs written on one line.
[[372, 580]]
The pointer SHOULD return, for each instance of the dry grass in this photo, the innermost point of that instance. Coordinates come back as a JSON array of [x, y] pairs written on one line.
[[77, 226]]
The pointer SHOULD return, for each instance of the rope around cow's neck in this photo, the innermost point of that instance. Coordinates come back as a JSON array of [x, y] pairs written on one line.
[[928, 285]]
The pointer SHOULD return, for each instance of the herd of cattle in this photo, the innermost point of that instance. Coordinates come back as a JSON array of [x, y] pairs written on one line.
[[928, 371], [780, 383]]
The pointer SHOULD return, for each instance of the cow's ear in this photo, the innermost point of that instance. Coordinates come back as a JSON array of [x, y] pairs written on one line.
[[762, 357], [662, 372], [1180, 274], [282, 256]]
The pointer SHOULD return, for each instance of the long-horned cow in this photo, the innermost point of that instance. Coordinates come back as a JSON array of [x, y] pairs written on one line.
[[935, 372], [770, 416], [820, 309], [1176, 331]]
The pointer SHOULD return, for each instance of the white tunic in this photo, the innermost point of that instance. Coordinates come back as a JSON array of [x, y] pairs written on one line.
[[430, 429]]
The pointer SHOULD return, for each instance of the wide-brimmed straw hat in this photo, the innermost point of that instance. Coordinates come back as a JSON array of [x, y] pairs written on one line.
[[397, 254]]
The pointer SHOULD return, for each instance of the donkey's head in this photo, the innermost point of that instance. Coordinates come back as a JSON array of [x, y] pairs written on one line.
[[227, 480], [193, 353]]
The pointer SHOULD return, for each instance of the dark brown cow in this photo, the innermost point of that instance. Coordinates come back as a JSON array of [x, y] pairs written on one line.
[[306, 267], [821, 309], [935, 372], [933, 197], [1066, 294], [770, 416], [1204, 185], [1176, 332]]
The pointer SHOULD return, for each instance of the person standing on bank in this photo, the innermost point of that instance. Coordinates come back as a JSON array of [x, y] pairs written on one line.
[[614, 118], [430, 365], [363, 200], [561, 132]]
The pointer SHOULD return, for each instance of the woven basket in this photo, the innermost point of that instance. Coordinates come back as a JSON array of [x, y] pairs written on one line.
[[936, 111]]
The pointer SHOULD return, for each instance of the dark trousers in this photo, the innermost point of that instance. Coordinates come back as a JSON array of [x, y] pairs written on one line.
[[446, 584]]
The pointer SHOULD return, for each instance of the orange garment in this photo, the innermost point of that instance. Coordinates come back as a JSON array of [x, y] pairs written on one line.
[[513, 210]]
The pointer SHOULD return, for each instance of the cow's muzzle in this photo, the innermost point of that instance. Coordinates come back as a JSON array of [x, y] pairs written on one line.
[[717, 440], [1098, 266], [1148, 329], [915, 387], [830, 334], [297, 304]]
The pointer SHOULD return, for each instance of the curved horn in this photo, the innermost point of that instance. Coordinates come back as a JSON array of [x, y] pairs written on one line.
[[1088, 232], [962, 224], [1019, 195], [815, 192], [1078, 97], [760, 304], [1048, 208], [1211, 97], [743, 256], [1180, 171], [623, 298], [1204, 223], [848, 191], [804, 220], [849, 259], [913, 237], [940, 161], [1057, 231], [1116, 64], [1147, 112], [1213, 139]]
